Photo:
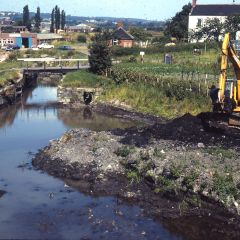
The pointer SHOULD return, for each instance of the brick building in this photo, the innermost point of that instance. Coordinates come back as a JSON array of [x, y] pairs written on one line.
[[27, 40], [121, 38]]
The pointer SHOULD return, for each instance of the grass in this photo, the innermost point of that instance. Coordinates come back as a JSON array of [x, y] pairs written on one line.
[[149, 99], [6, 76], [83, 78], [224, 186], [221, 152], [124, 151]]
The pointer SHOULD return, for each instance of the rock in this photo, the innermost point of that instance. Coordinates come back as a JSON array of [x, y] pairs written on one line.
[[201, 145], [109, 167]]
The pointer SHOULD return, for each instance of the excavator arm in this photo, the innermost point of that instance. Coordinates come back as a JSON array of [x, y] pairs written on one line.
[[229, 90]]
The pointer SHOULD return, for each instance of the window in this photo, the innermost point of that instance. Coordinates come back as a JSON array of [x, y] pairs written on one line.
[[199, 22], [114, 42]]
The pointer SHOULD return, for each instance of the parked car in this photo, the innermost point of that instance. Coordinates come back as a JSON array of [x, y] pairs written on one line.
[[64, 47], [45, 46], [12, 47]]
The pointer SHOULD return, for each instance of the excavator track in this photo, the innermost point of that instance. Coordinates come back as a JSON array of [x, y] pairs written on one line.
[[234, 120], [219, 122]]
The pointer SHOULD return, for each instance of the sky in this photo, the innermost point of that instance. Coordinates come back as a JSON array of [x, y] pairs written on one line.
[[144, 9]]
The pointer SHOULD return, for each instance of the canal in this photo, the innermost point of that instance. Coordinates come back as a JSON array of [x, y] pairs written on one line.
[[34, 205]]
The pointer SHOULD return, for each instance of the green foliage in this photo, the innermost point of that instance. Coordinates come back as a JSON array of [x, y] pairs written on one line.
[[165, 184], [175, 171], [100, 56], [212, 29], [178, 26], [8, 76], [14, 55], [133, 176], [189, 179], [132, 59], [63, 19], [158, 153], [232, 24], [224, 186], [124, 151], [139, 34], [52, 26], [26, 18], [160, 48], [84, 78], [118, 51], [82, 38], [37, 19], [57, 18], [180, 87], [7, 29], [221, 152]]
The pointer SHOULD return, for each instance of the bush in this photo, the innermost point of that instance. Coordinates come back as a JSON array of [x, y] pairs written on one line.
[[82, 39], [120, 51]]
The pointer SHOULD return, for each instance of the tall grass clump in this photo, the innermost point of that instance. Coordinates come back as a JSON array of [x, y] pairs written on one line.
[[83, 78]]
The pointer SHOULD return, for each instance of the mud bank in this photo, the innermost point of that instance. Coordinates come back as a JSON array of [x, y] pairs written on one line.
[[173, 169]]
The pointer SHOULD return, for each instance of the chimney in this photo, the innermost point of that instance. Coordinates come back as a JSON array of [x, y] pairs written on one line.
[[194, 3], [119, 25]]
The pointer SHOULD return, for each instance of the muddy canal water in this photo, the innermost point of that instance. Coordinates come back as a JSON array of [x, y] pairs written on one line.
[[38, 206]]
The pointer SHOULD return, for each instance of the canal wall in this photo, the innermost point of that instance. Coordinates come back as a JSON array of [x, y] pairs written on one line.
[[48, 78], [76, 97], [13, 90]]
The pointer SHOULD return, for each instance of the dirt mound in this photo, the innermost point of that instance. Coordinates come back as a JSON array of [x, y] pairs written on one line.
[[187, 124]]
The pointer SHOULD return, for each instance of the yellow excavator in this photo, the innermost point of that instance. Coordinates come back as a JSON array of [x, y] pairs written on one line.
[[226, 98]]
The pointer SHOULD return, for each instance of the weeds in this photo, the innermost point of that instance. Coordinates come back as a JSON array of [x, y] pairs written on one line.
[[221, 152], [133, 176], [224, 186], [124, 151], [189, 180]]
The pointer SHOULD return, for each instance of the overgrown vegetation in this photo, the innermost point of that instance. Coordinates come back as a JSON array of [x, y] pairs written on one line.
[[8, 76], [124, 151], [83, 78], [224, 186]]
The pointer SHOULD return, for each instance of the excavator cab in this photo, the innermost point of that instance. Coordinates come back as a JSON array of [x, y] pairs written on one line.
[[228, 91]]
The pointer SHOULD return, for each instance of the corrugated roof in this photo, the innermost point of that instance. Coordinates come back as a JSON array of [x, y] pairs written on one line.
[[121, 34], [43, 36], [216, 10]]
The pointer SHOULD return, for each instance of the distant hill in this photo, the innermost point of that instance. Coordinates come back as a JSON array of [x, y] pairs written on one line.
[[95, 20]]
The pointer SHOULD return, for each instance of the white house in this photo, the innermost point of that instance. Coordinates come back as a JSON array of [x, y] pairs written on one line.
[[201, 12]]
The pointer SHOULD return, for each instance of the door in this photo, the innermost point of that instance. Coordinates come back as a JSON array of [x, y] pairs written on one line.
[[19, 41]]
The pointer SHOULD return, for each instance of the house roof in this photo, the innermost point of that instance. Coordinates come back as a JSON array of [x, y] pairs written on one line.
[[121, 34], [216, 10]]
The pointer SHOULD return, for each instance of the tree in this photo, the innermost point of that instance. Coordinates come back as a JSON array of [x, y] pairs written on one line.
[[63, 20], [178, 26], [232, 24], [100, 55], [37, 19], [57, 18], [26, 18], [139, 34], [52, 26], [212, 29]]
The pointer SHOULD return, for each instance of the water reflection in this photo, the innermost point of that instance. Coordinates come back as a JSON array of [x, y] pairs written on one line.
[[41, 103]]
